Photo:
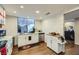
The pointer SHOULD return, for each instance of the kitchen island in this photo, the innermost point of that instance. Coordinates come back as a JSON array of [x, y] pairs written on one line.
[[55, 43]]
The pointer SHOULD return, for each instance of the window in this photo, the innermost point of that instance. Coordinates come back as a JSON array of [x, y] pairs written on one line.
[[25, 25]]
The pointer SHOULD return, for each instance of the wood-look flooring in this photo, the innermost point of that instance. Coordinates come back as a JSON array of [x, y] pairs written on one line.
[[41, 49]]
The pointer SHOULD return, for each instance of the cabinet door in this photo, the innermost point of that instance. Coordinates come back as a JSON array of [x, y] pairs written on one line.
[[35, 38], [21, 41], [54, 45], [27, 41], [49, 43], [9, 46]]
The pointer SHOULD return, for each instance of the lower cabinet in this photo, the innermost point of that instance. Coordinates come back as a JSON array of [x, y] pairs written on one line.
[[7, 46], [55, 44], [27, 39], [49, 43], [21, 40], [35, 38]]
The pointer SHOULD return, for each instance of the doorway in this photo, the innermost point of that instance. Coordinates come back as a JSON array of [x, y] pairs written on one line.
[[69, 28], [72, 18], [69, 32]]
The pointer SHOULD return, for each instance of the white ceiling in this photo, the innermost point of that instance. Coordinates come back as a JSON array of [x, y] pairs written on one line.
[[72, 15], [29, 9]]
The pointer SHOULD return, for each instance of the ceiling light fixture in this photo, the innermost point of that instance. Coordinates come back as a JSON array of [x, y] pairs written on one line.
[[14, 11], [21, 6], [37, 12]]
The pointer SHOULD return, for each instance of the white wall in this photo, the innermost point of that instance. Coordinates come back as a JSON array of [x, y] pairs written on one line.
[[77, 32], [54, 24], [38, 25], [11, 25]]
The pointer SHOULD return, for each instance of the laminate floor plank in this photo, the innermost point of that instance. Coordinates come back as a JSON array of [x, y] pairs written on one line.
[[41, 49]]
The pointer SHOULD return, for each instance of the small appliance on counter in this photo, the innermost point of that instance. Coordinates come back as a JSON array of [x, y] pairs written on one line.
[[2, 33]]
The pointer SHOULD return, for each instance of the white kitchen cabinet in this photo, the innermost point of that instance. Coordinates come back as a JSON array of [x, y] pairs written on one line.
[[21, 40], [35, 38], [49, 41], [55, 43], [24, 39], [9, 44]]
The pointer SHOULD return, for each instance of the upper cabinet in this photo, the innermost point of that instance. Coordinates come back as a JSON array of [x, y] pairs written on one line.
[[2, 16]]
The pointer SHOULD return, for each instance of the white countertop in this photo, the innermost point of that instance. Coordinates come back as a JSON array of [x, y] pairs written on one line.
[[5, 38], [29, 33]]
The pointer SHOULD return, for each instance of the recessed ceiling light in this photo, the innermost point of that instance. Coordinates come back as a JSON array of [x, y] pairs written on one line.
[[37, 12], [14, 11], [21, 6]]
